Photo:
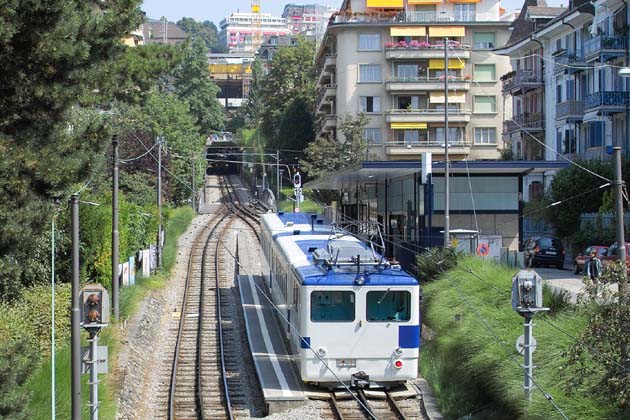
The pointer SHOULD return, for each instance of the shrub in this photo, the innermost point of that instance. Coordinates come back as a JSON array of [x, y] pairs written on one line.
[[434, 262]]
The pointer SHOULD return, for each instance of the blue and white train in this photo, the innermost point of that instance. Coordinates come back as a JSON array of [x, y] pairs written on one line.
[[352, 314]]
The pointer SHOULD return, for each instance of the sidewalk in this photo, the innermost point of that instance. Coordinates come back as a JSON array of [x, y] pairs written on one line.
[[564, 280]]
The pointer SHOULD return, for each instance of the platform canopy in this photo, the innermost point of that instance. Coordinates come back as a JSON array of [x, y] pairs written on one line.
[[378, 171]]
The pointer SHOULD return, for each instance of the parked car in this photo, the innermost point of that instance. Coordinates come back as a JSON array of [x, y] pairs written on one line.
[[545, 251], [578, 262], [611, 255]]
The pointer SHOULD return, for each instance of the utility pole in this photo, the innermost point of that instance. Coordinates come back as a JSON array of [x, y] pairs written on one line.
[[194, 191], [115, 233], [159, 204], [277, 178], [446, 163], [621, 241], [75, 348]]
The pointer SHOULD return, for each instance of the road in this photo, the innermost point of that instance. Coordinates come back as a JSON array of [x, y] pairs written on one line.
[[562, 280]]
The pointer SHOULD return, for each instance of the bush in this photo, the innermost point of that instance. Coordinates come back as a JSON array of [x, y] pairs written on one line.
[[435, 261], [17, 361]]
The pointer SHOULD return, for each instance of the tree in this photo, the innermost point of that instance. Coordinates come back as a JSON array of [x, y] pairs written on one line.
[[297, 128], [17, 361], [324, 156], [255, 106], [206, 31], [53, 56], [605, 353], [291, 76], [193, 84]]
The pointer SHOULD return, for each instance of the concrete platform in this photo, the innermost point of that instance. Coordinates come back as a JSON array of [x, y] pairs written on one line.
[[279, 383]]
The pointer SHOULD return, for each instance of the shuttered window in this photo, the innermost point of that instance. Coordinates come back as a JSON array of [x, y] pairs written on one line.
[[485, 104], [484, 73]]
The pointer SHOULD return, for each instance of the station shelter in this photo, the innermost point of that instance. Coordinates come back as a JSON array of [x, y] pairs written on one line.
[[485, 196]]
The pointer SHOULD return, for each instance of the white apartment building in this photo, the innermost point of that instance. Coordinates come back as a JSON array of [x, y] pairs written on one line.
[[575, 59], [387, 61], [238, 30], [308, 19]]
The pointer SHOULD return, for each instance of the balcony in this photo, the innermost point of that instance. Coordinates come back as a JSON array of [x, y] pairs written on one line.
[[569, 62], [327, 93], [529, 122], [413, 17], [413, 84], [423, 50], [604, 48], [330, 122], [330, 61], [412, 148], [426, 115], [608, 102], [521, 81], [572, 111]]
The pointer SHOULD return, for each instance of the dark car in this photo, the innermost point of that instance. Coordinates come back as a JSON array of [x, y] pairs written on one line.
[[578, 262], [545, 251]]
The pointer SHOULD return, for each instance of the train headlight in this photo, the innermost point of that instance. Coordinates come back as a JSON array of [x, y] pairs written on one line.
[[398, 351], [322, 351], [398, 364], [360, 280]]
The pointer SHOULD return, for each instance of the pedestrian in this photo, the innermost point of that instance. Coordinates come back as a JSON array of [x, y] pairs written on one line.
[[593, 266]]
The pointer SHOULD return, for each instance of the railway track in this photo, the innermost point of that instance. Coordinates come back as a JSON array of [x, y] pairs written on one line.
[[375, 405]]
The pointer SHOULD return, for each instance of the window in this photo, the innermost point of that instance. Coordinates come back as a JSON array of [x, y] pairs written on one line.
[[370, 104], [329, 306], [410, 102], [483, 40], [388, 306], [484, 73], [407, 70], [485, 135], [454, 135], [369, 72], [369, 42], [594, 134], [373, 135], [485, 104], [558, 93], [464, 12]]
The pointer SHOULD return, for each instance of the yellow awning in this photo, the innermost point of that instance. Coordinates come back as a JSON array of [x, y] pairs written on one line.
[[408, 31], [389, 4], [453, 97], [453, 64], [408, 126], [458, 1], [426, 1], [438, 31]]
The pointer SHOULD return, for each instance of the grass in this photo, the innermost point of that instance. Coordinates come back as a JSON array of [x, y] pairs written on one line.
[[472, 373], [40, 382], [308, 206]]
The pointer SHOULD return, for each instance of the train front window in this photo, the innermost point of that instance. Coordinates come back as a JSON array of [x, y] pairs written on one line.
[[332, 306], [388, 306]]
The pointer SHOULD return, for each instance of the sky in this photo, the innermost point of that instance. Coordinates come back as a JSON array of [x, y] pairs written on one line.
[[215, 10]]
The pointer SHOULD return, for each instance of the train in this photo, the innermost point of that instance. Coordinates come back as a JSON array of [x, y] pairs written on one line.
[[350, 315], [223, 154]]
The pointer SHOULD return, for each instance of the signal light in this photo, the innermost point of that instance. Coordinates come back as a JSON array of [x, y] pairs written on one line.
[[398, 364]]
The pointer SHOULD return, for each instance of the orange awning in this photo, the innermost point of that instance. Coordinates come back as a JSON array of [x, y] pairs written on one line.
[[441, 31], [385, 4], [425, 1], [408, 31]]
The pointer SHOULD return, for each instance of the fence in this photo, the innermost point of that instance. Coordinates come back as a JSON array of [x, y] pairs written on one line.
[[603, 220]]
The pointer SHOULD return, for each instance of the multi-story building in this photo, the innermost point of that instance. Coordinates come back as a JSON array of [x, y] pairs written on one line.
[[585, 102], [238, 31], [308, 19], [162, 32], [388, 62], [232, 73]]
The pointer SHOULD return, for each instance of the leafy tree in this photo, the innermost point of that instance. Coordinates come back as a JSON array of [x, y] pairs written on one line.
[[193, 84], [607, 336], [255, 105], [297, 128], [17, 361], [206, 31], [325, 155], [291, 76]]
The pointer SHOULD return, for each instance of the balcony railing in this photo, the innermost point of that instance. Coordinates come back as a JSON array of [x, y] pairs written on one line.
[[604, 43], [429, 79], [424, 45], [522, 78], [569, 62], [413, 17], [527, 121], [431, 143], [428, 111], [569, 108], [620, 98]]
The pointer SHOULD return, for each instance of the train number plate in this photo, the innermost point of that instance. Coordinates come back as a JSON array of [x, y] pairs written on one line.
[[346, 363]]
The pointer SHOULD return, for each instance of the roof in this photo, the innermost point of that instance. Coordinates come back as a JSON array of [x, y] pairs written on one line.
[[154, 31], [545, 12], [379, 171]]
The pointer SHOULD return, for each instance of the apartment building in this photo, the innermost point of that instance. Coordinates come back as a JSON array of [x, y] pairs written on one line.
[[570, 65], [238, 30], [386, 58], [307, 19]]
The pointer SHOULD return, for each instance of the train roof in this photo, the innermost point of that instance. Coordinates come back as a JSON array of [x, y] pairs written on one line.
[[282, 223], [305, 250]]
